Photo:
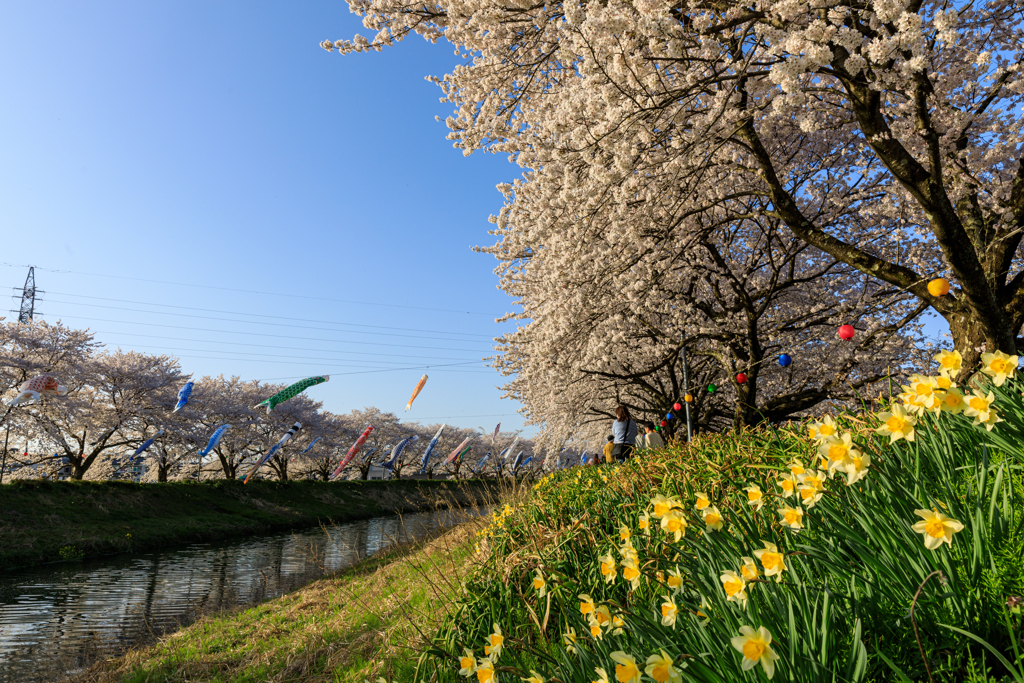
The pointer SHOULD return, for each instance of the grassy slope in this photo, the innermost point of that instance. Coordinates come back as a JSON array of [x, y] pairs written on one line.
[[51, 521], [364, 623]]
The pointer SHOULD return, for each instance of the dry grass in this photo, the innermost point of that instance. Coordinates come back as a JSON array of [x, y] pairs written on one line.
[[373, 619]]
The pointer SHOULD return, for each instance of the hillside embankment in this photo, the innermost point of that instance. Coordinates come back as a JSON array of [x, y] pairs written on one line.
[[43, 521]]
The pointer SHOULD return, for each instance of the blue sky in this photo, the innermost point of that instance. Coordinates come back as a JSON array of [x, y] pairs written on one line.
[[203, 179]]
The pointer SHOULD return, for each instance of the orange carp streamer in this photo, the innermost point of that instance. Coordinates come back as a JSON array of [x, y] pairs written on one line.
[[416, 391]]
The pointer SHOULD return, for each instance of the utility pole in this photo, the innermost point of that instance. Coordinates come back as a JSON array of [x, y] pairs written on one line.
[[28, 297], [686, 390]]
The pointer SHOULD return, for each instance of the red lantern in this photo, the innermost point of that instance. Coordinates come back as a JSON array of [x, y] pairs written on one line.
[[677, 406], [741, 378], [846, 332], [664, 423]]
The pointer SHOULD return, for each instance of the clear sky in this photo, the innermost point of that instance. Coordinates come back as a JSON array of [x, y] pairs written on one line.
[[202, 179]]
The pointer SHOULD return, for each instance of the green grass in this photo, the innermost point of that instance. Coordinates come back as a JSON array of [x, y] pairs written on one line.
[[43, 521]]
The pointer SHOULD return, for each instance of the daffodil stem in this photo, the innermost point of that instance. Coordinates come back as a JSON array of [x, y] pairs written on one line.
[[913, 623]]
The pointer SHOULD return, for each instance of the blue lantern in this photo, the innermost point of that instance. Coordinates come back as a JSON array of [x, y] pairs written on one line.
[[669, 416], [785, 360]]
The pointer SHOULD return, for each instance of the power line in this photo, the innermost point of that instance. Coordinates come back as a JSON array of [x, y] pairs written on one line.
[[266, 334], [296, 357], [257, 322], [263, 315], [253, 291], [364, 372], [269, 346]]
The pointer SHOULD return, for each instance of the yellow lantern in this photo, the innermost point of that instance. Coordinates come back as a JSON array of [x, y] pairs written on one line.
[[688, 398], [938, 287]]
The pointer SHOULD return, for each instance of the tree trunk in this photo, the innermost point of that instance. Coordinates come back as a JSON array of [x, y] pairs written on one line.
[[970, 338]]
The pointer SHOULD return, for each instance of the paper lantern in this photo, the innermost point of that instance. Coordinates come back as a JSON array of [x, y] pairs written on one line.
[[938, 287], [677, 406], [711, 388], [688, 398], [669, 416], [846, 332], [664, 424], [741, 378], [785, 360]]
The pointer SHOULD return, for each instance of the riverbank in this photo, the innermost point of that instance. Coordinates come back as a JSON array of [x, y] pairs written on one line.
[[43, 521], [370, 620]]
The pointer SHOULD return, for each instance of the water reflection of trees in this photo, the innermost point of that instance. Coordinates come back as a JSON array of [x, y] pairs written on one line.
[[56, 620]]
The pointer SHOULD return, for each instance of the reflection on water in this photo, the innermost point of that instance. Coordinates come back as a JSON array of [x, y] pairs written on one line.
[[59, 618]]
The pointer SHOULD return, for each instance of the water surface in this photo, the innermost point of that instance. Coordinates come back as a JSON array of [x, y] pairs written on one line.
[[56, 619]]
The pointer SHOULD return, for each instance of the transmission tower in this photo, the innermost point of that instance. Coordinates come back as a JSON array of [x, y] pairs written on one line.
[[28, 297]]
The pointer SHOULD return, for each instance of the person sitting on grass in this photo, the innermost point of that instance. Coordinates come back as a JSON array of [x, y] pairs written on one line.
[[608, 448]]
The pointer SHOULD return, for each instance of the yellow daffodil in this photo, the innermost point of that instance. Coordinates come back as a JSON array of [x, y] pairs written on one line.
[[754, 496], [897, 424], [793, 517], [936, 527], [628, 553], [756, 648], [467, 663], [702, 612], [674, 523], [713, 519], [617, 625], [734, 586], [999, 366], [602, 616], [631, 573], [569, 639], [796, 468], [660, 668], [922, 393], [626, 670], [540, 584], [586, 604], [644, 523], [662, 505], [624, 533], [812, 431], [953, 402], [787, 482], [772, 560], [534, 677], [749, 569], [702, 500], [485, 671], [979, 406], [602, 676], [495, 642], [950, 363], [824, 429], [669, 612], [837, 451], [675, 579], [857, 468], [595, 629], [607, 568], [811, 487], [944, 383]]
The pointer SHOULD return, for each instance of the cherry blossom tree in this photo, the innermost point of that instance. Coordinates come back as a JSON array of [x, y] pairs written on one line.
[[112, 393], [886, 135]]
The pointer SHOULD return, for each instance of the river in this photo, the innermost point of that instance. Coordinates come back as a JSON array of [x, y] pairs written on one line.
[[56, 619]]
